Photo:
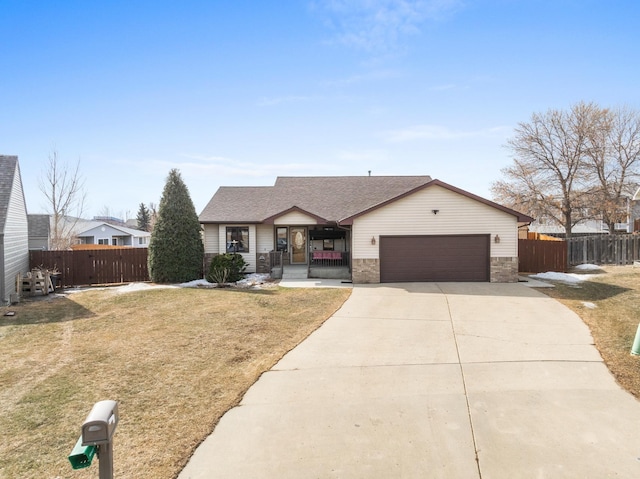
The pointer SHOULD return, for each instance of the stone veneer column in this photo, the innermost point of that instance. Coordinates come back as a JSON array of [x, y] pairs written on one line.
[[365, 270], [263, 266], [504, 270]]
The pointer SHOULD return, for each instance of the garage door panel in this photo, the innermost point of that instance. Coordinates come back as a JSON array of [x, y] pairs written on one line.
[[434, 258]]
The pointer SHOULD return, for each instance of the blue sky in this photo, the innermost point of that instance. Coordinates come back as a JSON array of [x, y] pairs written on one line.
[[237, 92]]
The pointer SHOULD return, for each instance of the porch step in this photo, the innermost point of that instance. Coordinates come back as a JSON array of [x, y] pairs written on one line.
[[294, 272], [294, 275]]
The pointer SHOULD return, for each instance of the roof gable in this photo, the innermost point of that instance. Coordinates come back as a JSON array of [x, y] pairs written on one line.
[[293, 209], [522, 218]]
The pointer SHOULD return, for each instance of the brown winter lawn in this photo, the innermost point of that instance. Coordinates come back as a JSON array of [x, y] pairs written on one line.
[[174, 359], [613, 322]]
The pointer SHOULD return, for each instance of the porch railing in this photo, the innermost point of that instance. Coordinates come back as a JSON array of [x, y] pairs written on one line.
[[329, 258], [275, 259]]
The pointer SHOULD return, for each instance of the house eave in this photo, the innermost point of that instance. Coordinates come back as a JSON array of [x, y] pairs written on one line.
[[230, 222]]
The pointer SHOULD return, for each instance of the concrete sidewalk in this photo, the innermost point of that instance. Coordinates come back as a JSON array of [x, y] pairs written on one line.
[[446, 380]]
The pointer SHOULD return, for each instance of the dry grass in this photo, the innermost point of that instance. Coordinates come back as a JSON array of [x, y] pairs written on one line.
[[174, 359], [614, 320]]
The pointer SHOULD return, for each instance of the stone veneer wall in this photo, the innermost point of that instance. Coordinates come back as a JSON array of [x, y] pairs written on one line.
[[365, 271], [264, 265], [504, 270]]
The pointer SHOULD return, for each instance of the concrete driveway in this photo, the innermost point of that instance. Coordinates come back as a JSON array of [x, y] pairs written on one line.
[[433, 380]]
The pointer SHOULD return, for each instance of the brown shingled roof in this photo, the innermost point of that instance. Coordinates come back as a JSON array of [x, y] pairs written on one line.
[[330, 197]]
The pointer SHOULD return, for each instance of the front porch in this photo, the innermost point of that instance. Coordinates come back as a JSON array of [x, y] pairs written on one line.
[[325, 269], [310, 252]]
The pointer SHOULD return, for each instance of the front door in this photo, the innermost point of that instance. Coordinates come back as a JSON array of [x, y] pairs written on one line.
[[298, 244]]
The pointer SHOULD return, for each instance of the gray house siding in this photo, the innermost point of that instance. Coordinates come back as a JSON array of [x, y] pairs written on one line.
[[15, 237]]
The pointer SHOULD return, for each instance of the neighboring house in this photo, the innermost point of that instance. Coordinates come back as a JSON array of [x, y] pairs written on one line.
[[582, 228], [593, 227], [100, 232], [377, 228], [14, 237], [635, 212], [82, 231], [39, 228]]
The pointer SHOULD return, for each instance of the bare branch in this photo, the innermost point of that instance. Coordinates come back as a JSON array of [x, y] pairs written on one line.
[[63, 188]]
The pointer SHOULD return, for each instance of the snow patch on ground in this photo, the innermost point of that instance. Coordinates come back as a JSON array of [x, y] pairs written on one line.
[[569, 278], [253, 280], [589, 305], [133, 287], [587, 267], [198, 283], [250, 281]]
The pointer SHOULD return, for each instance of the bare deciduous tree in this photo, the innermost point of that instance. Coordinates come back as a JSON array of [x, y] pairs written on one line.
[[614, 162], [153, 215], [63, 187], [549, 176]]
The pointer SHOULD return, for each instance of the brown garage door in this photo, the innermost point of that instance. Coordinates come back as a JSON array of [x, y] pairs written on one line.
[[434, 258]]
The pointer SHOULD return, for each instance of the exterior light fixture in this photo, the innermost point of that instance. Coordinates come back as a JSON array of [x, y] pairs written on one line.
[[496, 239], [435, 212], [373, 240]]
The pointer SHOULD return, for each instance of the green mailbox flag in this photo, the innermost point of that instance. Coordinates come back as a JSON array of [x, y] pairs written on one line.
[[81, 456]]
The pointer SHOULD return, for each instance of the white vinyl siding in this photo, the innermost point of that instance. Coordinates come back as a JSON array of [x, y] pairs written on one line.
[[15, 239], [211, 239], [265, 235], [295, 218], [457, 215]]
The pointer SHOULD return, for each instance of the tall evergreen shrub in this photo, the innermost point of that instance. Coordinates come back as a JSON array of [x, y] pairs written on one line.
[[176, 250]]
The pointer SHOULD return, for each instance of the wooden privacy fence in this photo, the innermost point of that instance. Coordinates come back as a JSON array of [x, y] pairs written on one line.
[[604, 249], [539, 256], [86, 267]]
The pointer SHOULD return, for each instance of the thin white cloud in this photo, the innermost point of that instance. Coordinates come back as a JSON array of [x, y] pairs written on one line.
[[273, 101], [378, 25], [441, 133], [224, 167], [366, 77], [448, 86]]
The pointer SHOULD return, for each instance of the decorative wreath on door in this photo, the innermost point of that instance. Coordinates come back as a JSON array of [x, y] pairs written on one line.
[[298, 240]]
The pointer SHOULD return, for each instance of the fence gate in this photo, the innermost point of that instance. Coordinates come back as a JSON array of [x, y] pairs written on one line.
[[540, 256]]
